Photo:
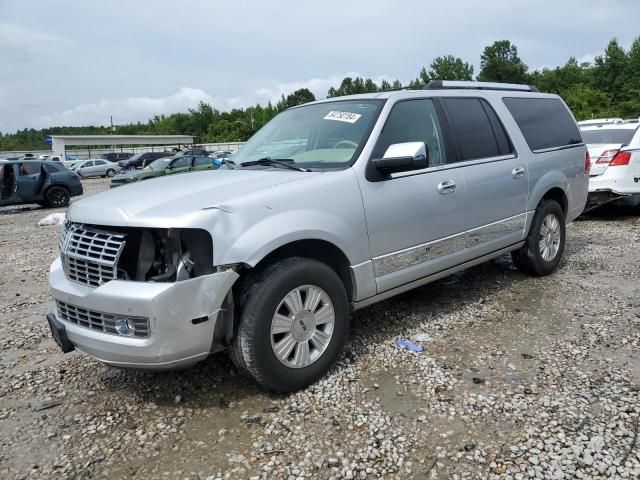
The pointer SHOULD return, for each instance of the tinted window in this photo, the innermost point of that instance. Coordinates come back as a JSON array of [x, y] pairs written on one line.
[[544, 122], [609, 135], [413, 121], [29, 168], [51, 168], [474, 129]]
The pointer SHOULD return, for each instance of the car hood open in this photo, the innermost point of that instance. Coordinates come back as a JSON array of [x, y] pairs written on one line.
[[170, 201]]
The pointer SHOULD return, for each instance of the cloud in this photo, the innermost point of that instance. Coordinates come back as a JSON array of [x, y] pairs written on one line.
[[134, 109], [126, 110]]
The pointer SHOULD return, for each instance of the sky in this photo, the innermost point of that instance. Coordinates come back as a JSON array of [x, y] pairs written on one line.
[[78, 62]]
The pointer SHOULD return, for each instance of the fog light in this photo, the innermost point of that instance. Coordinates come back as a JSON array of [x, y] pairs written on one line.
[[125, 326]]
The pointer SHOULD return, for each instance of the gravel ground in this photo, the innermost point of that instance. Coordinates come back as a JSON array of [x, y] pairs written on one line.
[[519, 378]]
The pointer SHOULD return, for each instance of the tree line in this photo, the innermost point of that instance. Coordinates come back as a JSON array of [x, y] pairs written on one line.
[[608, 87]]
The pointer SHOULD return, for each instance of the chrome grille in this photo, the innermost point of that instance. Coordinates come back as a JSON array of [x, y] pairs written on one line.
[[89, 255], [102, 322]]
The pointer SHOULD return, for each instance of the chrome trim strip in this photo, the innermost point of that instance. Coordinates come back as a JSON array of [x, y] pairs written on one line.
[[454, 165], [495, 230], [408, 257], [432, 278]]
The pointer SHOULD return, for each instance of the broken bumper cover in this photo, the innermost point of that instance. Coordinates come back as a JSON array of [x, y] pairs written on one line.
[[173, 341]]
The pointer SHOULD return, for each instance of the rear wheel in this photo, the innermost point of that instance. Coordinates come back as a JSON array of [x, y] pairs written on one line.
[[111, 172], [293, 323], [544, 245], [58, 197]]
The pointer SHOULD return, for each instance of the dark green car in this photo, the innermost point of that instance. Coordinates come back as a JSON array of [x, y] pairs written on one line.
[[167, 166]]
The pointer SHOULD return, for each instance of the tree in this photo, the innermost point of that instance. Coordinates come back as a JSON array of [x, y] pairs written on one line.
[[586, 102], [300, 96], [500, 63], [351, 86], [449, 68], [609, 70]]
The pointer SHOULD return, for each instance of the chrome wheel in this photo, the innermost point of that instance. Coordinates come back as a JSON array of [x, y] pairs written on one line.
[[302, 326], [549, 242]]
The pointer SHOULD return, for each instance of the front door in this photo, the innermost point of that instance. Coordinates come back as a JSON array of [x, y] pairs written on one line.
[[29, 181], [496, 179], [415, 220]]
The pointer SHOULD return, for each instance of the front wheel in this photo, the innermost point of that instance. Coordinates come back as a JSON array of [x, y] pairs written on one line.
[[293, 323], [111, 172], [544, 246]]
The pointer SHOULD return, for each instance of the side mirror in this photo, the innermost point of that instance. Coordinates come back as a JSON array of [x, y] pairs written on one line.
[[403, 157]]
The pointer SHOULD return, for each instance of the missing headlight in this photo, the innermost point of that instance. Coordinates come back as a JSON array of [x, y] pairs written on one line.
[[166, 255]]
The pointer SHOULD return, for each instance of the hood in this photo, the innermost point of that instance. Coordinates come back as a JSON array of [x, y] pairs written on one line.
[[171, 200], [597, 149]]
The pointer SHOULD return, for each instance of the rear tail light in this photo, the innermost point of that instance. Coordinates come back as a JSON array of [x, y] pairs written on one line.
[[587, 162], [621, 158], [606, 156]]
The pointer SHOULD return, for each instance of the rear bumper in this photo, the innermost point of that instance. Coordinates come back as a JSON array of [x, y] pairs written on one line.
[[173, 341], [618, 180]]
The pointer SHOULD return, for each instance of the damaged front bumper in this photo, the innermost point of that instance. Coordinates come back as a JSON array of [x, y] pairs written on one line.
[[186, 319]]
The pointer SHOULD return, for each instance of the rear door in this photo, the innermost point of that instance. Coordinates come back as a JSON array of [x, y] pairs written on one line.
[[496, 179]]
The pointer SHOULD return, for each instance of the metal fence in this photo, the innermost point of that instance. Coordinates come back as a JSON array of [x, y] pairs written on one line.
[[85, 152]]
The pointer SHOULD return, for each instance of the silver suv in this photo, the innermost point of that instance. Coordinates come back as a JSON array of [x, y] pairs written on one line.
[[332, 206]]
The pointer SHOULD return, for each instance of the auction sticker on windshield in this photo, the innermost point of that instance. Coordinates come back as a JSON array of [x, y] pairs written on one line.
[[342, 116]]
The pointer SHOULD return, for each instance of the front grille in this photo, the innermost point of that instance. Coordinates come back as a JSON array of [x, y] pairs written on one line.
[[102, 322], [90, 256]]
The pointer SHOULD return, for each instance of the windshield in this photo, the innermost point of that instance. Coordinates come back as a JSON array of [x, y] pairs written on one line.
[[323, 135], [159, 164], [608, 135]]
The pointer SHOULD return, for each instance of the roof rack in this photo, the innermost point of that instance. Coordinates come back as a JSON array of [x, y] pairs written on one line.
[[463, 85]]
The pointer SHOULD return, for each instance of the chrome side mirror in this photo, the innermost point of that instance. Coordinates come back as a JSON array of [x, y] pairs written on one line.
[[403, 157]]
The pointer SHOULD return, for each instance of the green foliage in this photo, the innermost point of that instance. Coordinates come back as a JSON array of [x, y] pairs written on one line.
[[500, 63], [608, 88]]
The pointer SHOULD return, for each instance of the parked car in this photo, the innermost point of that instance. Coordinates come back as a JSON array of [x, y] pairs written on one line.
[[116, 156], [615, 163], [141, 160], [167, 166], [95, 167], [33, 181], [330, 207]]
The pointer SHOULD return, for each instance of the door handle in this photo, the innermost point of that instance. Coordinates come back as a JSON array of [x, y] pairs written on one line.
[[518, 172], [447, 186]]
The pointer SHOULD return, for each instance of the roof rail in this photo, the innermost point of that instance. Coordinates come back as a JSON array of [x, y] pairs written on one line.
[[459, 84]]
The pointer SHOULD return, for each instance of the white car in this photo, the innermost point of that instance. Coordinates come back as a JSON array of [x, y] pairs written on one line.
[[614, 150]]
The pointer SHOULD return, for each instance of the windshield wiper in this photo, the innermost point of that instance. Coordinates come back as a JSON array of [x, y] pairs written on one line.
[[268, 161]]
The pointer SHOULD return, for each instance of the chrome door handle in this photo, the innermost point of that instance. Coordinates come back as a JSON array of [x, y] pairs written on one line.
[[518, 172], [447, 186]]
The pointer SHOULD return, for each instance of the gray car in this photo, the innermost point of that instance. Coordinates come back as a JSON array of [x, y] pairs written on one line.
[[332, 206], [95, 167]]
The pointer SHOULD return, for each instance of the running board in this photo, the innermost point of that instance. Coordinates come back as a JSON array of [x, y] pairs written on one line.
[[432, 278]]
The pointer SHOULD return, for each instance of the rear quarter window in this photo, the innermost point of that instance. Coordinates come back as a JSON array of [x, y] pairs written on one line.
[[545, 122]]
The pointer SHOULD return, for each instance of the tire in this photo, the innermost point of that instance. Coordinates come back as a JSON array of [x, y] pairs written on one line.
[[111, 172], [300, 292], [535, 257], [58, 197]]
